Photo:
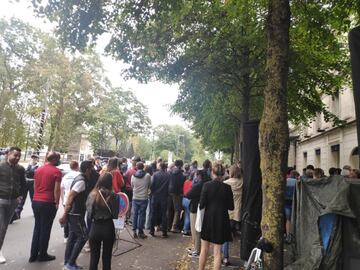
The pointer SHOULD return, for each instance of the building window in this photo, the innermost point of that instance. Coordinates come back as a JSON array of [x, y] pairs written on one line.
[[335, 148], [317, 157], [354, 158], [305, 159], [335, 156]]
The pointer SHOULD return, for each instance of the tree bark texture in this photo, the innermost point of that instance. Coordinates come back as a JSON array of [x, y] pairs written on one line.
[[274, 131]]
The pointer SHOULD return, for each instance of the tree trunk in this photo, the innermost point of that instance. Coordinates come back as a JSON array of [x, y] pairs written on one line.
[[56, 125], [245, 104], [274, 131], [236, 155]]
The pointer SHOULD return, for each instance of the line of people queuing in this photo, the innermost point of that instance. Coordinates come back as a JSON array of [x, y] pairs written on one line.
[[176, 192], [163, 198]]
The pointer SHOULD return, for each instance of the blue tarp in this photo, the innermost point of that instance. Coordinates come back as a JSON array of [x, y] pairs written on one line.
[[326, 225]]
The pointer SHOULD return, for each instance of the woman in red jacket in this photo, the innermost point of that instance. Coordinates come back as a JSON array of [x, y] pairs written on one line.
[[118, 180]]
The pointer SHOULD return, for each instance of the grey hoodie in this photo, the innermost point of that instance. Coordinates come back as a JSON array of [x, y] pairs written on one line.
[[140, 183]]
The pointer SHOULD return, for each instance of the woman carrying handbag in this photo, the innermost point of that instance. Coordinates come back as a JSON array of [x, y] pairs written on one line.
[[103, 207]]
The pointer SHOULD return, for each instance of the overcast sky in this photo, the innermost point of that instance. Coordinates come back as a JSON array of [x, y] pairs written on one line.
[[156, 96]]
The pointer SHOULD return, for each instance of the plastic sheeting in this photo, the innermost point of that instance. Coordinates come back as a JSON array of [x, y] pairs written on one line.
[[338, 247]]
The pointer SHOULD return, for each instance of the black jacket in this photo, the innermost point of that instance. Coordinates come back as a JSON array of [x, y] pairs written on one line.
[[217, 198], [194, 196], [12, 181], [78, 206], [30, 171], [160, 184], [98, 211], [176, 183]]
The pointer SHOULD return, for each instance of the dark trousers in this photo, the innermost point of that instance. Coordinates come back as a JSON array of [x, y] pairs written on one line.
[[7, 208], [44, 213], [66, 230], [158, 211], [29, 189], [129, 193], [77, 238], [102, 232]]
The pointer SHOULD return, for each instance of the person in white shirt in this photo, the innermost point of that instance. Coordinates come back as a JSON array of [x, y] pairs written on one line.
[[66, 183]]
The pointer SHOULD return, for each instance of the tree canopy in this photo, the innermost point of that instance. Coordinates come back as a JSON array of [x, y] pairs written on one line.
[[37, 74], [216, 49]]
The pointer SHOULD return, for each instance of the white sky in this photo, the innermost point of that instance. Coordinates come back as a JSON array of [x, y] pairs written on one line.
[[156, 95]]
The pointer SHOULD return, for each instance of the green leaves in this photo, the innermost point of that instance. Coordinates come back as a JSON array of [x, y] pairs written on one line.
[[215, 51], [116, 117], [36, 73], [175, 139]]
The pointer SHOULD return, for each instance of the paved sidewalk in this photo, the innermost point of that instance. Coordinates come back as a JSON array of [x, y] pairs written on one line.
[[155, 253], [186, 263]]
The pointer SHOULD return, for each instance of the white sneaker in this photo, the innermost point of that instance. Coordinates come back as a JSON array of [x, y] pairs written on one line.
[[2, 258], [195, 254]]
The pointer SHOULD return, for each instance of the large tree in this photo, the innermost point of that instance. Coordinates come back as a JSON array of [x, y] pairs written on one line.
[[66, 86], [19, 44], [274, 132], [117, 116], [175, 139], [191, 43], [216, 46]]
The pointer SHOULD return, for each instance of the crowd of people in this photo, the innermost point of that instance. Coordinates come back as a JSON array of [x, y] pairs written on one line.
[[163, 198]]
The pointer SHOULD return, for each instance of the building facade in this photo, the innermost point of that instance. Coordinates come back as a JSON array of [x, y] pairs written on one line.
[[80, 148], [323, 145]]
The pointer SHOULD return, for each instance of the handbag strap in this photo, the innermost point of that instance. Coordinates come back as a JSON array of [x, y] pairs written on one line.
[[105, 202]]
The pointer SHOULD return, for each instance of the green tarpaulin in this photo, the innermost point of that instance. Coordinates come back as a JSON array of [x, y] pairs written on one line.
[[314, 198]]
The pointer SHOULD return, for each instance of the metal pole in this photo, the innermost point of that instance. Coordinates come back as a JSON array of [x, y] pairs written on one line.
[[27, 137], [42, 121]]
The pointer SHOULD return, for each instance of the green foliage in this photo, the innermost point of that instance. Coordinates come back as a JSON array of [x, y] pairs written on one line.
[[319, 63], [117, 116], [36, 73], [215, 50], [175, 139], [143, 147]]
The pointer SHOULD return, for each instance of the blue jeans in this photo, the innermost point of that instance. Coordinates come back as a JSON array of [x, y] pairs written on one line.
[[225, 249], [44, 213], [139, 215], [186, 205], [77, 238], [225, 246]]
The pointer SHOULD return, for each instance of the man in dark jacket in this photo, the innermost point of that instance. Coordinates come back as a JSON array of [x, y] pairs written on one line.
[[74, 214], [176, 185], [159, 194], [12, 185], [29, 188]]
